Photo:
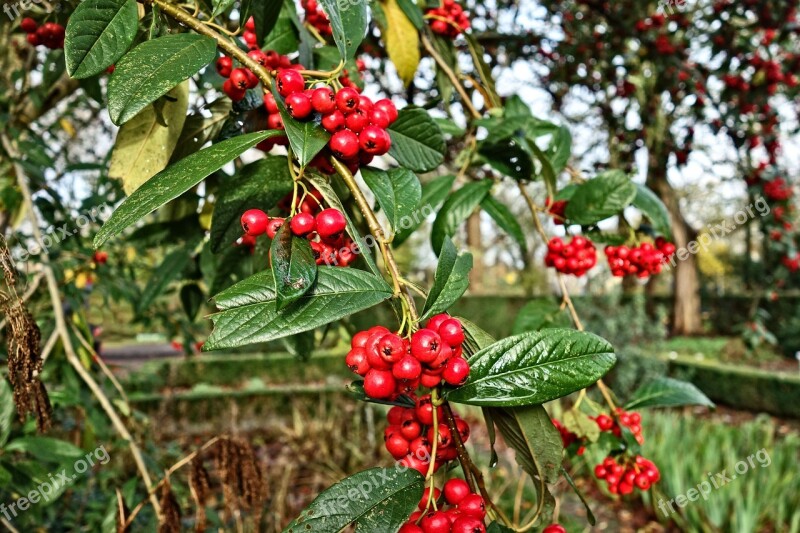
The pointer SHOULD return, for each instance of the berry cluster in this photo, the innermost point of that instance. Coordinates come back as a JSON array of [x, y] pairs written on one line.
[[778, 190], [49, 34], [466, 513], [448, 20], [249, 34], [325, 231], [392, 365], [642, 261], [568, 437], [410, 435], [357, 123], [241, 78], [576, 257], [631, 420], [317, 18], [621, 478]]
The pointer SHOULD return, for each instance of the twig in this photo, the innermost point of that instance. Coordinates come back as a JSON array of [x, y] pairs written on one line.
[[63, 331], [101, 364], [48, 347], [465, 99]]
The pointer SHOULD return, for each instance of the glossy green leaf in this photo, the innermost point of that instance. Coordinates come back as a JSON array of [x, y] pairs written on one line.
[[433, 194], [667, 392], [600, 198], [293, 266], [654, 209], [248, 312], [265, 14], [508, 156], [220, 6], [475, 338], [536, 441], [98, 33], [456, 209], [507, 221], [560, 149], [176, 180], [377, 500], [46, 449], [413, 12], [450, 281], [534, 368], [154, 67], [398, 192], [348, 23], [306, 138], [170, 269], [283, 37], [257, 185], [417, 141]]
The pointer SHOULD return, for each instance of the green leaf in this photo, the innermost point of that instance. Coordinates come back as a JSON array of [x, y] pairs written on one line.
[[7, 411], [456, 209], [306, 138], [534, 368], [248, 312], [169, 270], [653, 208], [348, 23], [508, 156], [283, 38], [475, 339], [497, 527], [580, 424], [176, 180], [600, 198], [192, 299], [220, 6], [433, 194], [560, 149], [450, 281], [417, 142], [46, 449], [413, 12], [545, 169], [538, 314], [507, 221], [293, 266], [515, 107], [198, 129], [667, 392], [378, 500], [154, 67], [98, 33], [265, 14], [397, 190], [257, 185], [536, 441]]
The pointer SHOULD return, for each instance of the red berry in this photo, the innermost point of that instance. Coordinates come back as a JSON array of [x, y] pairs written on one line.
[[473, 505], [410, 527], [322, 100], [456, 371], [254, 222], [435, 522], [33, 39], [388, 107], [356, 121], [290, 81], [554, 528], [425, 345], [642, 481], [410, 430], [28, 25], [273, 226], [379, 384], [330, 223], [397, 446], [239, 78], [224, 66], [424, 410], [302, 224], [407, 368], [344, 144], [374, 140], [467, 524], [347, 100], [456, 490], [258, 56], [298, 105], [604, 422], [391, 347], [423, 502], [269, 103], [333, 122], [451, 332], [356, 360], [379, 118]]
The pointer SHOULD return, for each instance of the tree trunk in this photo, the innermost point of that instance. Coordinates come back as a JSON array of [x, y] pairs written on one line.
[[686, 318]]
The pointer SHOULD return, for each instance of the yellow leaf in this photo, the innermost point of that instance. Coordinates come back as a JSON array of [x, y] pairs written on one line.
[[143, 145], [402, 40], [67, 126]]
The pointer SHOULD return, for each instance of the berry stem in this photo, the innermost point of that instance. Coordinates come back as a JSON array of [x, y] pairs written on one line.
[[400, 288], [222, 43], [435, 444]]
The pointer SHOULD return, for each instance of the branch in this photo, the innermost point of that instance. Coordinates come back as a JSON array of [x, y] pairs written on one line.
[[222, 43], [465, 99], [63, 331]]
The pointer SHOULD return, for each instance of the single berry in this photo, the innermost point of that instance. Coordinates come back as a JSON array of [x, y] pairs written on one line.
[[425, 345], [224, 66], [397, 446], [322, 100], [356, 360], [456, 371], [298, 105], [407, 368], [239, 78], [391, 348], [254, 222], [388, 107], [380, 118], [451, 332], [456, 490], [290, 81], [374, 140], [273, 226], [435, 522], [473, 505], [333, 121], [554, 528], [347, 100], [467, 524], [330, 223], [302, 224], [379, 384], [344, 144], [28, 25], [356, 121]]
